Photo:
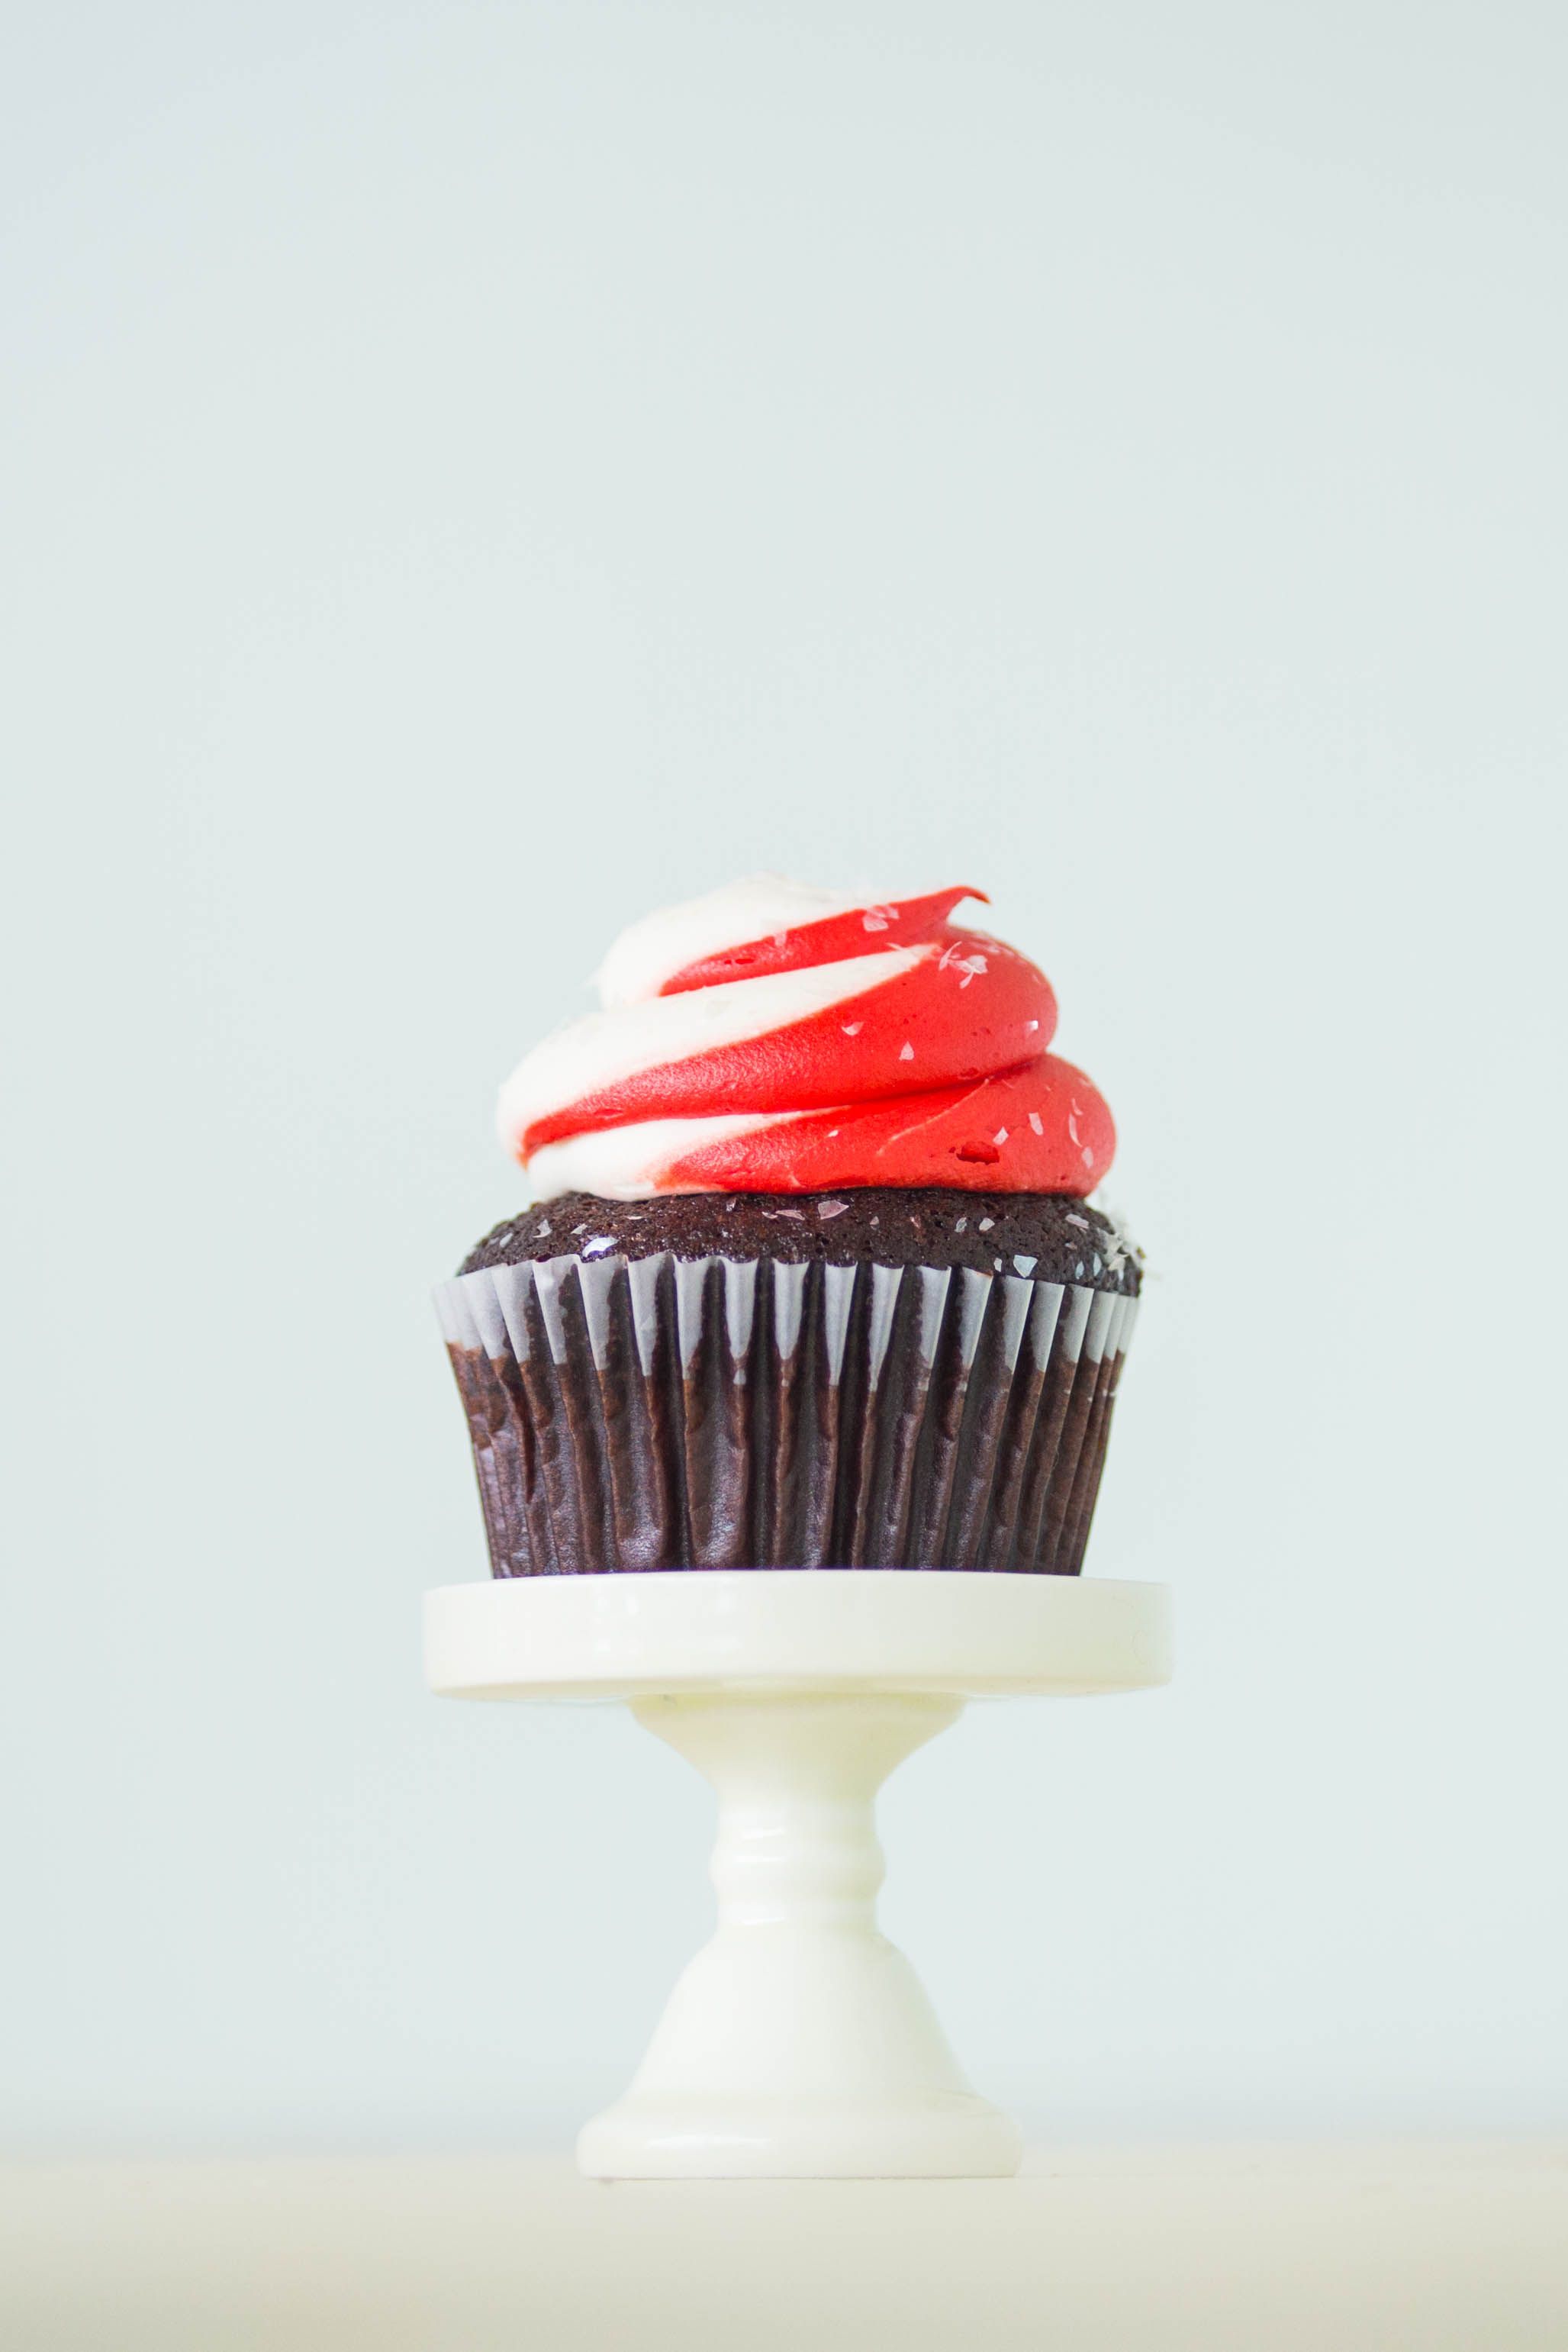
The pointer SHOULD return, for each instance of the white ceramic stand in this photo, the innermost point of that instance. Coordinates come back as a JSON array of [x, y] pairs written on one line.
[[799, 2043]]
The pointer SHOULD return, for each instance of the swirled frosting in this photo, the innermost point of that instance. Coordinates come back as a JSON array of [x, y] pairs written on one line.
[[769, 1038]]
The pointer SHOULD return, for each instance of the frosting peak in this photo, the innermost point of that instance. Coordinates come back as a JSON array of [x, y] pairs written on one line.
[[774, 1038]]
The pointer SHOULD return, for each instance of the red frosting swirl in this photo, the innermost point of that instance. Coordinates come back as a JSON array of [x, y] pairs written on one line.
[[875, 1044]]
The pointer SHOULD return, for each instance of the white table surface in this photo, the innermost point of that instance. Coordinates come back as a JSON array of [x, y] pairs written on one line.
[[1404, 2248]]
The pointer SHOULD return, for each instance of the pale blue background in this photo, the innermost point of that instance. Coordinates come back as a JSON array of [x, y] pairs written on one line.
[[472, 472]]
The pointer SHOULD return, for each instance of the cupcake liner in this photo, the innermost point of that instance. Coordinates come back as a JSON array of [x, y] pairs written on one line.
[[661, 1413]]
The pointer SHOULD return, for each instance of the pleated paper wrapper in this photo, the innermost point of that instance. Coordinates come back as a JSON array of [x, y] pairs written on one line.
[[661, 1413]]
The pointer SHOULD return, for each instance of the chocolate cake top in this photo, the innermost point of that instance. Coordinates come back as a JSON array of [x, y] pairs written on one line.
[[1049, 1236]]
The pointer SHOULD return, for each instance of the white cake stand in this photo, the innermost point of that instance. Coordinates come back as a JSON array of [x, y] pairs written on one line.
[[799, 2043]]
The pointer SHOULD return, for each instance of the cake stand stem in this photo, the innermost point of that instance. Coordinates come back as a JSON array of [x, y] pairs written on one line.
[[799, 2042]]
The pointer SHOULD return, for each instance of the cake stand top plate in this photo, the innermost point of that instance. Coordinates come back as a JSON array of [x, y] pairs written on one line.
[[670, 1632]]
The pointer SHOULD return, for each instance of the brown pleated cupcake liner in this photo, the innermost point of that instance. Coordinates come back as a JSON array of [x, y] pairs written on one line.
[[662, 1413]]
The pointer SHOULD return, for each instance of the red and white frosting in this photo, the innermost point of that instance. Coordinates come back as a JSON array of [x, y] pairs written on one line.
[[770, 1038]]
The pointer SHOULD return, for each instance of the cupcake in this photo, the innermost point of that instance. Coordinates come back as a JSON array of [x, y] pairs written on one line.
[[811, 1279]]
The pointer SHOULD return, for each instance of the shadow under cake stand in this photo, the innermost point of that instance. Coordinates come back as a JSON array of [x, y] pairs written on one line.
[[799, 2043]]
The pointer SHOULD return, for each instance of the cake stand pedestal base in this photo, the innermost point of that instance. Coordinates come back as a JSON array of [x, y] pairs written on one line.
[[799, 2042]]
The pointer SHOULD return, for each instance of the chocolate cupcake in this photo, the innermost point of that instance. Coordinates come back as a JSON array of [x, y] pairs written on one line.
[[811, 1280]]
